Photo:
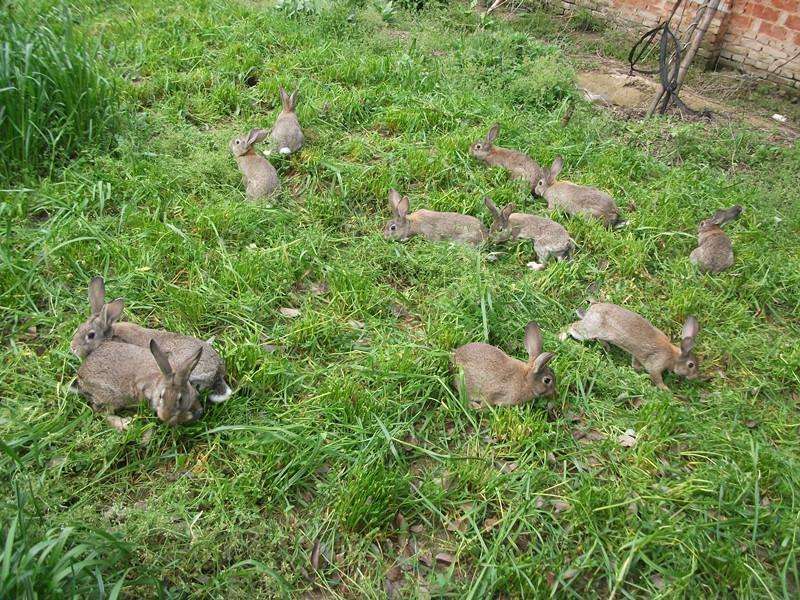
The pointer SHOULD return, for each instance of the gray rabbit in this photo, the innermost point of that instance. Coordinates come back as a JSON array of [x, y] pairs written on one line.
[[258, 175]]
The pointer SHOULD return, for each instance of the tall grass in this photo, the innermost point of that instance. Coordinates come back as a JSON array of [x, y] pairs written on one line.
[[54, 97]]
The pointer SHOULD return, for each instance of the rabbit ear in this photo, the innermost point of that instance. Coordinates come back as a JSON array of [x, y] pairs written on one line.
[[402, 208], [256, 135], [394, 200], [285, 101], [183, 371], [555, 168], [97, 294], [114, 311], [507, 210], [533, 340], [161, 358], [541, 361], [490, 137], [690, 329], [293, 100], [489, 203]]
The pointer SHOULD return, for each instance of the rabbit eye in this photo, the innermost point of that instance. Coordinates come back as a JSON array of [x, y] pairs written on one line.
[[478, 146], [690, 364], [90, 335], [392, 227], [547, 381]]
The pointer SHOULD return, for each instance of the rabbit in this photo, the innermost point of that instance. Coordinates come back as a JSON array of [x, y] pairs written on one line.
[[519, 165], [432, 225], [492, 377], [259, 176], [287, 137], [549, 238], [103, 326], [714, 252], [649, 347], [118, 375], [576, 199]]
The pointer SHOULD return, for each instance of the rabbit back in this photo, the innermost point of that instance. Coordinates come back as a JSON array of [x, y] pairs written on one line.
[[260, 177], [714, 252], [521, 166], [210, 369], [549, 238], [625, 329], [117, 375], [577, 199], [440, 226], [287, 134], [491, 376]]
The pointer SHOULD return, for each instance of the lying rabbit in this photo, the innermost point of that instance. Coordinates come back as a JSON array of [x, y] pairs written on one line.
[[118, 375], [432, 225], [714, 252], [575, 199], [519, 165], [492, 377], [287, 137], [650, 348], [259, 177], [549, 238], [103, 326]]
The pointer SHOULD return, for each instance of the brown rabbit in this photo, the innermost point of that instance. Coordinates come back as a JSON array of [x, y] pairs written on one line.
[[118, 375], [102, 326], [549, 238], [575, 199], [492, 377], [259, 176], [287, 137], [519, 165], [649, 347], [432, 225], [714, 252]]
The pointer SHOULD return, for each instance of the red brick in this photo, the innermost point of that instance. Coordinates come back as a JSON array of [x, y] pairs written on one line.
[[797, 39], [791, 6], [740, 23], [763, 12], [793, 22], [774, 31]]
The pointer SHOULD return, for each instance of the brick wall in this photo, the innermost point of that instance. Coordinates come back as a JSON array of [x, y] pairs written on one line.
[[761, 37]]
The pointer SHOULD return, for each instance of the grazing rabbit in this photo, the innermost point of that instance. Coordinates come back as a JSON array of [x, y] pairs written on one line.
[[575, 199], [259, 176], [432, 225], [549, 238], [492, 377], [287, 137], [714, 252], [118, 375], [649, 347], [102, 326], [521, 166]]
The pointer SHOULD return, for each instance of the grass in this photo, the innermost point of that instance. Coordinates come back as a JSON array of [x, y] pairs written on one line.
[[343, 418], [55, 99]]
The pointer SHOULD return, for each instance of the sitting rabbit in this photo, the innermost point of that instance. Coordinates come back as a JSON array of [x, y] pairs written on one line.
[[519, 165], [549, 238], [650, 347], [259, 177], [432, 225], [103, 326], [575, 199], [492, 377], [287, 137], [714, 252], [118, 375]]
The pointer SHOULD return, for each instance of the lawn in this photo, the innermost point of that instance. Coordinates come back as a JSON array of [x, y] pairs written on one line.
[[345, 463]]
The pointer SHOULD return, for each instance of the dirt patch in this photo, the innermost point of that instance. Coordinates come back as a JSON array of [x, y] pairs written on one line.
[[611, 84]]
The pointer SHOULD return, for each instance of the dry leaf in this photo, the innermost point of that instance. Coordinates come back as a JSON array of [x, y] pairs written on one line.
[[627, 439], [459, 525], [146, 437], [560, 505], [399, 520], [657, 581], [507, 467], [316, 553], [290, 313], [490, 523], [318, 288], [569, 573], [445, 558], [119, 423], [356, 324], [417, 529], [426, 559], [539, 502], [751, 423]]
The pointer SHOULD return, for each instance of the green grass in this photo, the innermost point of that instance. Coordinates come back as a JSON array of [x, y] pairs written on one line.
[[54, 100], [343, 418]]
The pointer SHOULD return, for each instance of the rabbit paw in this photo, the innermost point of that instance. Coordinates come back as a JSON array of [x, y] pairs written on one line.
[[119, 423], [285, 150], [534, 266], [222, 396]]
